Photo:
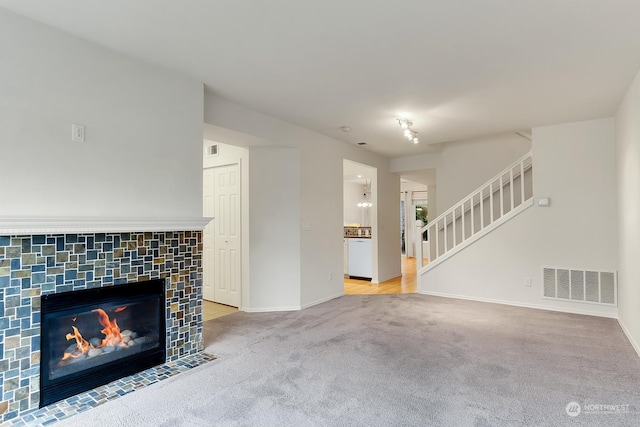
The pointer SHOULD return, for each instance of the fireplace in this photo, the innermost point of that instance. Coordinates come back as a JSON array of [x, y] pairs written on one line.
[[91, 337], [60, 259]]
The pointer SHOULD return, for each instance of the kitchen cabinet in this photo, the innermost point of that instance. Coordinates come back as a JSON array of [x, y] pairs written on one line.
[[360, 264]]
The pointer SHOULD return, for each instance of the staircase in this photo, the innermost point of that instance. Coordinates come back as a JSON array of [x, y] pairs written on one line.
[[496, 201]]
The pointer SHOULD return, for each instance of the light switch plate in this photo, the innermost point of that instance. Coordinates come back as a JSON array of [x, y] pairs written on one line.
[[544, 201]]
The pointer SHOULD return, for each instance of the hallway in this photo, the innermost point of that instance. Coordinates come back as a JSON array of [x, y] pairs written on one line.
[[405, 284]]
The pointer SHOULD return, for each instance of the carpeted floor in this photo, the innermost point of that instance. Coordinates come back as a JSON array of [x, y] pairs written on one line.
[[396, 360]]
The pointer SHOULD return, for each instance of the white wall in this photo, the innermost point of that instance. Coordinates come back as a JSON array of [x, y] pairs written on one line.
[[573, 164], [142, 155], [462, 166], [628, 157], [321, 203], [352, 195], [465, 165], [274, 232]]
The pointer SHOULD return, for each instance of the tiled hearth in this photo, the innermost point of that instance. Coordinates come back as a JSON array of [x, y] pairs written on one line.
[[35, 264]]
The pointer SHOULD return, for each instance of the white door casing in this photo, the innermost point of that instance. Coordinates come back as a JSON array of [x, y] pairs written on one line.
[[222, 266], [208, 292]]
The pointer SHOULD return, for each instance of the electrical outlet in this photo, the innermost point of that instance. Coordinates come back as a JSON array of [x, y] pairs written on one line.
[[527, 282], [77, 133]]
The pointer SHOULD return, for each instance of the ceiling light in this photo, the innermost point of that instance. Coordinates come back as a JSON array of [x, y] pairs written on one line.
[[345, 129], [404, 123], [409, 133]]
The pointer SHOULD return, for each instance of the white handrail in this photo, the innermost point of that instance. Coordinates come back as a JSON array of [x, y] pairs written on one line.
[[449, 218]]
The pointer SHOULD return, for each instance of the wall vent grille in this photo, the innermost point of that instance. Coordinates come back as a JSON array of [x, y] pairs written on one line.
[[212, 150], [599, 287]]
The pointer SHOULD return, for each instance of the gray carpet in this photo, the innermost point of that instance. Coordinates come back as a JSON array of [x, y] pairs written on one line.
[[395, 360]]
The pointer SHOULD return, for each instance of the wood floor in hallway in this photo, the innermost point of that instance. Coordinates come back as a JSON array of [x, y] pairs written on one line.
[[406, 284]]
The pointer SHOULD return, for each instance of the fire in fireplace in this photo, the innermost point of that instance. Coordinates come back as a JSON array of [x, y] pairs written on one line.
[[91, 337]]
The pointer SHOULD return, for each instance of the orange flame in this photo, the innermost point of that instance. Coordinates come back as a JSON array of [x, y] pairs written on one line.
[[111, 331], [82, 346]]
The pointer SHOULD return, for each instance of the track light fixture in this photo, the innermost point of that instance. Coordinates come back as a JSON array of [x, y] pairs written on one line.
[[410, 134]]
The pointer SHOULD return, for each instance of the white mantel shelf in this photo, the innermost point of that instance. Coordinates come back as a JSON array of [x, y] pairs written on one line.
[[48, 225]]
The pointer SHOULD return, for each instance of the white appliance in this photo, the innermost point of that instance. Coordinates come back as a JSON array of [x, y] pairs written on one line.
[[360, 264]]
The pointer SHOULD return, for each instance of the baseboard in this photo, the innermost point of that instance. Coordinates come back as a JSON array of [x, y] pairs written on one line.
[[633, 342], [519, 304], [291, 308], [269, 309], [320, 301]]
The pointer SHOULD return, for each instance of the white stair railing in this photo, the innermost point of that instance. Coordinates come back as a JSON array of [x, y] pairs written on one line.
[[503, 196]]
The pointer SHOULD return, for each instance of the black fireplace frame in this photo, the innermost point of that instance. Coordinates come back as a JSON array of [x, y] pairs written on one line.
[[53, 390]]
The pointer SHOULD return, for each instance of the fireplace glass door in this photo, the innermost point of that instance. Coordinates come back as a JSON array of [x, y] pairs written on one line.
[[95, 336]]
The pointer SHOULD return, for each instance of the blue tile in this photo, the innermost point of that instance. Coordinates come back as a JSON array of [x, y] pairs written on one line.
[[59, 279], [72, 238], [23, 312], [38, 278], [15, 264], [64, 288], [4, 322], [12, 373], [35, 343], [70, 275], [107, 247], [25, 323], [38, 268], [92, 255], [12, 332], [38, 240], [60, 244], [35, 318], [30, 372], [4, 281]]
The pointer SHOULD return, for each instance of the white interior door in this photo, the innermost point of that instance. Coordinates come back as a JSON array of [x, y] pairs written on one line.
[[222, 237]]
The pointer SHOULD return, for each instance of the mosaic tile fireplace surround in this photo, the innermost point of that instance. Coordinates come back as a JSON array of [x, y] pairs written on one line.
[[32, 265]]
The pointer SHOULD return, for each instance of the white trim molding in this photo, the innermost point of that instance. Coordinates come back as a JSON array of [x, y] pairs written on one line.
[[525, 305], [65, 225]]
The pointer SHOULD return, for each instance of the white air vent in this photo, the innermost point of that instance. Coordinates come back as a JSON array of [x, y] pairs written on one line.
[[212, 150], [598, 287]]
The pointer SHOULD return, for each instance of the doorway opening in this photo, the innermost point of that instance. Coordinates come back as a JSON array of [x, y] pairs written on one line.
[[222, 237], [360, 221]]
